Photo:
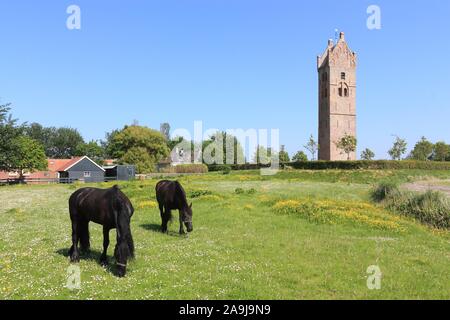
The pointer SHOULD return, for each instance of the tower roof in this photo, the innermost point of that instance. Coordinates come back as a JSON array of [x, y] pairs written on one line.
[[337, 54]]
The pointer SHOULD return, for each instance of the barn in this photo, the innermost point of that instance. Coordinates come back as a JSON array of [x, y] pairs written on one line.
[[81, 168], [119, 172]]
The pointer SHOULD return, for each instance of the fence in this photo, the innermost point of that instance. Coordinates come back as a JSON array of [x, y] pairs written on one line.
[[37, 181]]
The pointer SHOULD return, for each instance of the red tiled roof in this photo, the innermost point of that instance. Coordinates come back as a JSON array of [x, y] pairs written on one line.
[[66, 163], [55, 164]]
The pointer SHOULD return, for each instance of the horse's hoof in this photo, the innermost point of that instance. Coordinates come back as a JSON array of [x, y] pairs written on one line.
[[75, 259]]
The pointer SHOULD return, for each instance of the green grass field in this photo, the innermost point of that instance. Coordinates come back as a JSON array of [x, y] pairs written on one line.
[[296, 235]]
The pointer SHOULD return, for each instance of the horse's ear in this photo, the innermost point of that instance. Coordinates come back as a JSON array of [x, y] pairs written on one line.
[[190, 206]]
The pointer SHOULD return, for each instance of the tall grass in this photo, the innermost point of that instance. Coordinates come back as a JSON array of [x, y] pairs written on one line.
[[384, 190], [431, 208]]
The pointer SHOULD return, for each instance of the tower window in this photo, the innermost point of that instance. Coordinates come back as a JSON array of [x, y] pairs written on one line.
[[342, 75], [345, 92], [340, 92]]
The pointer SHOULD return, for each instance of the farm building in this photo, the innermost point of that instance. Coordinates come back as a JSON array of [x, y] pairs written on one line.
[[119, 172], [71, 170], [82, 168]]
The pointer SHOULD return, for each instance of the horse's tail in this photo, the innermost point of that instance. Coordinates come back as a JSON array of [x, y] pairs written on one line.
[[124, 211]]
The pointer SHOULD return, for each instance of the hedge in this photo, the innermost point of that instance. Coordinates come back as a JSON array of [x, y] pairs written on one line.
[[187, 168], [346, 165]]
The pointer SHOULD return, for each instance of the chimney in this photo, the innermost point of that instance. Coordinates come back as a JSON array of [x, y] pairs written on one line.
[[342, 36], [330, 43]]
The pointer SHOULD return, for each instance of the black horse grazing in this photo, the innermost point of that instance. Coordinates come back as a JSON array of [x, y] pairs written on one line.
[[110, 208], [171, 196]]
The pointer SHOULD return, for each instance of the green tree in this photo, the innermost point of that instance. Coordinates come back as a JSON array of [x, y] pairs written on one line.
[[42, 134], [29, 155], [441, 151], [422, 150], [9, 131], [129, 144], [92, 149], [139, 157], [223, 148], [398, 149], [312, 146], [300, 156], [262, 155], [367, 154], [347, 144], [107, 144], [64, 143], [283, 155]]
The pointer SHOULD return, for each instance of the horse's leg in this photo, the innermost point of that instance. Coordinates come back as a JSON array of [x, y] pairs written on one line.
[[165, 220], [161, 210], [181, 224], [73, 252], [104, 258], [83, 229]]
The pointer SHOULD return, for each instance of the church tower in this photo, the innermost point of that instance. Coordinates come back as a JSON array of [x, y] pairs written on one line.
[[337, 98]]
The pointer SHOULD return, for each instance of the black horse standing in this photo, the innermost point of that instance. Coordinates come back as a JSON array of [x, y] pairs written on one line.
[[171, 196], [110, 208]]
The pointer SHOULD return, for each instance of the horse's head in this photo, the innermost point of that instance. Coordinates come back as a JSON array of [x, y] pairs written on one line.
[[125, 246], [122, 253], [187, 218]]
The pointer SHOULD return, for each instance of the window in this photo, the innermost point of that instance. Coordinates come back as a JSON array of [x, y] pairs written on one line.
[[340, 92], [87, 174], [342, 75], [345, 92]]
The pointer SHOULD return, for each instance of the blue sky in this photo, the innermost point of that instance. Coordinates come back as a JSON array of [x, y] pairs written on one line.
[[230, 63]]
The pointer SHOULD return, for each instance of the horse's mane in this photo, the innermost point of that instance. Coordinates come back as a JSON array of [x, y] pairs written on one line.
[[180, 189], [124, 211]]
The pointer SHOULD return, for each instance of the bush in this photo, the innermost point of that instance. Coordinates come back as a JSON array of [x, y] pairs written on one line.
[[431, 208], [374, 165], [243, 191], [384, 190], [225, 168], [187, 168], [199, 193], [346, 165]]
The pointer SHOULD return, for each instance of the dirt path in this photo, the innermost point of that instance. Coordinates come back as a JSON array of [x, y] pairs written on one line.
[[436, 185]]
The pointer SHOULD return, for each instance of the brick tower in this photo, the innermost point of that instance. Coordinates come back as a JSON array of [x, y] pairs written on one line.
[[337, 98]]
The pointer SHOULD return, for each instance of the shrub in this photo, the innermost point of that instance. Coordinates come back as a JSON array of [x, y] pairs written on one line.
[[199, 193], [346, 165], [225, 168], [187, 168], [431, 208], [243, 191], [383, 190], [373, 165]]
